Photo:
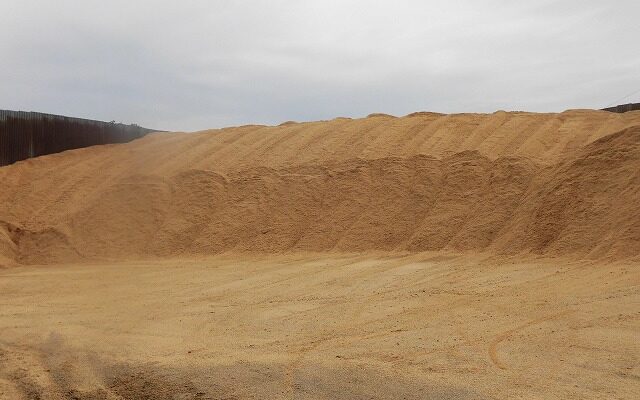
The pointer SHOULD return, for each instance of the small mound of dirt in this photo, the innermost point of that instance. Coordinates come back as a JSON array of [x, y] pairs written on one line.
[[380, 115], [288, 123], [424, 114]]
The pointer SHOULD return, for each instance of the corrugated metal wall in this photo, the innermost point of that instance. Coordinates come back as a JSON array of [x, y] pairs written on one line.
[[624, 108], [31, 134]]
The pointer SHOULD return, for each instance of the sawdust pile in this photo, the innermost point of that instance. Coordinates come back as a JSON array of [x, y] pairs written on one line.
[[554, 184]]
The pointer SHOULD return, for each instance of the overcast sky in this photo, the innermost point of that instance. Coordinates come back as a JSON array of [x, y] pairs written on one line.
[[188, 65]]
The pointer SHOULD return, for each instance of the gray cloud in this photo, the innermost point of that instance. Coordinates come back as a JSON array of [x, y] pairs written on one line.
[[198, 64]]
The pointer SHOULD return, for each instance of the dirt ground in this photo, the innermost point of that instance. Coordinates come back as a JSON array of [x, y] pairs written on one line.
[[321, 327]]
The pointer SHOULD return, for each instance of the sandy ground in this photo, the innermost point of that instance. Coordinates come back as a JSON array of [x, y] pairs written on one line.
[[321, 327]]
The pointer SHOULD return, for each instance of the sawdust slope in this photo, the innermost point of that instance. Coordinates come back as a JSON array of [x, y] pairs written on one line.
[[555, 184], [7, 247]]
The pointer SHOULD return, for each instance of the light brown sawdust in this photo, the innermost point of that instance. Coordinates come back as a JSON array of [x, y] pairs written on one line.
[[418, 326], [507, 183], [463, 256]]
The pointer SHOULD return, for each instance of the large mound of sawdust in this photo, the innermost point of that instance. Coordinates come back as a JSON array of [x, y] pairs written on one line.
[[554, 184]]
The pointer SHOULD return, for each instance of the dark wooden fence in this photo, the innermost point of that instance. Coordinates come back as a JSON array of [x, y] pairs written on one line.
[[623, 108], [31, 134]]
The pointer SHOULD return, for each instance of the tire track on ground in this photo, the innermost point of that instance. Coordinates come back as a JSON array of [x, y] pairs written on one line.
[[493, 347]]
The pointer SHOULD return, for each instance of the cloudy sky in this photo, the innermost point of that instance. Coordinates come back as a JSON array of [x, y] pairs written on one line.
[[188, 65]]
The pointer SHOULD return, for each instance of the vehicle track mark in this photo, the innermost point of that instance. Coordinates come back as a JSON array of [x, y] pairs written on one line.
[[493, 347]]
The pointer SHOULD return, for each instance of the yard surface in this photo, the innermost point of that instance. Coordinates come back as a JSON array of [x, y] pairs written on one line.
[[321, 327]]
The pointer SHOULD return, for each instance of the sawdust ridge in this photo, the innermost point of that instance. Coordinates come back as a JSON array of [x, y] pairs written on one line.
[[506, 183]]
